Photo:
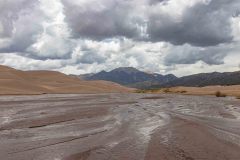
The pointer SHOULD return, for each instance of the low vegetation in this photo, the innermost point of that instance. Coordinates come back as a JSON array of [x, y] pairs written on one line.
[[225, 91], [220, 94], [183, 91], [166, 90], [161, 90], [141, 91], [147, 90]]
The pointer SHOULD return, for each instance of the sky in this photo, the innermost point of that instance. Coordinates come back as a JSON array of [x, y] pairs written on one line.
[[182, 37]]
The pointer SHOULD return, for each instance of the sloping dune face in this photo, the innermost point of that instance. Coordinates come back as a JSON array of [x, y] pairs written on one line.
[[14, 81]]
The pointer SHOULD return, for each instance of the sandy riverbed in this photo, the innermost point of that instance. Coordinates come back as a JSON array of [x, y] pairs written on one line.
[[119, 127]]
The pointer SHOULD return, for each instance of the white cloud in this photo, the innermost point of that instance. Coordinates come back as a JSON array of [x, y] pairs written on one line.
[[25, 63], [54, 41]]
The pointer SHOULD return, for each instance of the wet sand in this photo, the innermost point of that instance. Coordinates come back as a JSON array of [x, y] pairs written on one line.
[[119, 127]]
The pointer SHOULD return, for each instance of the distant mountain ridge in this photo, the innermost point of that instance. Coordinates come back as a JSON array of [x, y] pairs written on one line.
[[204, 79], [131, 77]]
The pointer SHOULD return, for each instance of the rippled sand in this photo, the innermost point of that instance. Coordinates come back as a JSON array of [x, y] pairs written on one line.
[[119, 127]]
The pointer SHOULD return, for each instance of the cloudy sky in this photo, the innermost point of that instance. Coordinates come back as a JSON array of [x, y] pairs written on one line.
[[81, 36]]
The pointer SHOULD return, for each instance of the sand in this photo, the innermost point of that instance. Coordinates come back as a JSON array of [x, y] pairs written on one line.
[[233, 90], [119, 127], [15, 82]]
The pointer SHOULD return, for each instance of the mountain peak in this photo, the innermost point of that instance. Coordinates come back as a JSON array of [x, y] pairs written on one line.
[[126, 69]]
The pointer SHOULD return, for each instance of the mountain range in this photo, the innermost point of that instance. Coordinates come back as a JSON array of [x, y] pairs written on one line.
[[205, 79], [132, 77]]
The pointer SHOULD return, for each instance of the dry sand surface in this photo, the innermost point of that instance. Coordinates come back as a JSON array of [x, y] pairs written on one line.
[[233, 90], [119, 127], [38, 82]]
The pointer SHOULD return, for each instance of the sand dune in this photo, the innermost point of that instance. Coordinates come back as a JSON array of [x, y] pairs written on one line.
[[14, 81]]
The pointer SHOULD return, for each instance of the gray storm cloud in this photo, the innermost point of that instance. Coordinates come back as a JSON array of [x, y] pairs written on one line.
[[101, 19], [16, 18], [204, 24], [10, 11], [191, 55]]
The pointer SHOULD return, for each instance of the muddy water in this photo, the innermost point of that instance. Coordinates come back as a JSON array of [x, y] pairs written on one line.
[[119, 127]]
